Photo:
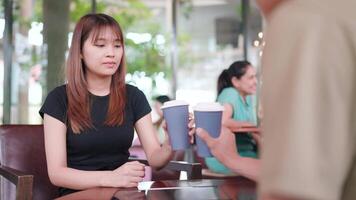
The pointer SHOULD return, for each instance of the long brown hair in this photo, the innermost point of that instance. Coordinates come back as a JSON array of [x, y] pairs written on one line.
[[79, 114]]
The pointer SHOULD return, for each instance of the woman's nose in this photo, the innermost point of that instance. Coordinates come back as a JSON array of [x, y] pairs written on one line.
[[110, 51]]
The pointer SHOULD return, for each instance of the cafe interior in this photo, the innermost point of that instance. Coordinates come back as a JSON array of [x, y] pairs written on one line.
[[174, 48]]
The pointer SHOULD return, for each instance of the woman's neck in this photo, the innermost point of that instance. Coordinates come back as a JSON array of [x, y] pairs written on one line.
[[99, 86], [243, 95]]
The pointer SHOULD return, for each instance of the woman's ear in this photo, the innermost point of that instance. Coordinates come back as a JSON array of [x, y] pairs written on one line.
[[235, 82]]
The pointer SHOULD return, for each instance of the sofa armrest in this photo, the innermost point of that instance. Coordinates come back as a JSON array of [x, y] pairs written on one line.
[[193, 169], [23, 181]]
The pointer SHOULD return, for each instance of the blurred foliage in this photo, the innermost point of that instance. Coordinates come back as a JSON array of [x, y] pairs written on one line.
[[186, 7], [37, 11], [78, 8], [144, 57], [133, 16], [130, 14], [185, 55], [16, 13], [238, 10], [136, 17]]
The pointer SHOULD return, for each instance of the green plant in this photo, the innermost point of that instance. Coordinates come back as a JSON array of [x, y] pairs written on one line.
[[186, 7], [78, 8]]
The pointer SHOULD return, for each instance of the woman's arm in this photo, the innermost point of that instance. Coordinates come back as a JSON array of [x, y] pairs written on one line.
[[128, 175], [157, 155], [229, 122]]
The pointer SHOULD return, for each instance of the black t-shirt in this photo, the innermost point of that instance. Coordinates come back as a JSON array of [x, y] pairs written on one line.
[[102, 147]]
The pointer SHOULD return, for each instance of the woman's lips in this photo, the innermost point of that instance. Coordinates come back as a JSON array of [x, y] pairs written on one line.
[[109, 64]]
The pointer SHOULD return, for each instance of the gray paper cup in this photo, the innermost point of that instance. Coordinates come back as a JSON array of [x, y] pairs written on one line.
[[176, 115], [207, 116]]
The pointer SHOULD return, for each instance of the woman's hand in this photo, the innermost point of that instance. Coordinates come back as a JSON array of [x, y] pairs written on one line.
[[191, 126], [127, 175]]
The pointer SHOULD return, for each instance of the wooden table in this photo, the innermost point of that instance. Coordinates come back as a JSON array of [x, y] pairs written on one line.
[[247, 129], [237, 188]]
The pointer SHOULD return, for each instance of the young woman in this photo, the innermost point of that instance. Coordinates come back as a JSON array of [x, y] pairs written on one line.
[[235, 87], [89, 122]]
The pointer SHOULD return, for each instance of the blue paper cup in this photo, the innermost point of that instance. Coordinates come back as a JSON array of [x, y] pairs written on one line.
[[207, 116], [176, 114]]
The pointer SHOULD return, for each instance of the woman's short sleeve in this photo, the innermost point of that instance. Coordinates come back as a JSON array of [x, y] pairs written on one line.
[[55, 104], [229, 96], [140, 105]]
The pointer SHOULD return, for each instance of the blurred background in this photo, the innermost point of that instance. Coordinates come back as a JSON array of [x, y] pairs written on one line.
[[173, 47]]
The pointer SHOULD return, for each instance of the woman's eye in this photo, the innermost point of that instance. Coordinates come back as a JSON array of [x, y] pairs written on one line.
[[99, 45], [118, 46]]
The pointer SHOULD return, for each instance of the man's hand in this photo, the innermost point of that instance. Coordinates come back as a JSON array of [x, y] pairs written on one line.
[[223, 148]]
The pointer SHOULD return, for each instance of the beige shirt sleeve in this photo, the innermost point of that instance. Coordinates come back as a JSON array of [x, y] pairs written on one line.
[[309, 101]]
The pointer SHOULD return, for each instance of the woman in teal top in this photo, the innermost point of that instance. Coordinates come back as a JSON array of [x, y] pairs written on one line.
[[236, 85]]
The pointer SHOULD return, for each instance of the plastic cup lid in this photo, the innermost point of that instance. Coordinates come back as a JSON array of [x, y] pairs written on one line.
[[209, 106], [173, 103]]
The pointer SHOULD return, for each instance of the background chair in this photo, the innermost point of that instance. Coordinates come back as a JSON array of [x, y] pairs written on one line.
[[22, 181], [22, 157]]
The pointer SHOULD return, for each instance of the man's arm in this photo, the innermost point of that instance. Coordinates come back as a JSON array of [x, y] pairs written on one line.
[[276, 197], [224, 149]]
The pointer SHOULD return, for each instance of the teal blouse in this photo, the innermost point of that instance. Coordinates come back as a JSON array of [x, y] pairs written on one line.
[[242, 111]]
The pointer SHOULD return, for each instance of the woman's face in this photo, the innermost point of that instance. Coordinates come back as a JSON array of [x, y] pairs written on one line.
[[247, 84], [102, 56], [157, 106]]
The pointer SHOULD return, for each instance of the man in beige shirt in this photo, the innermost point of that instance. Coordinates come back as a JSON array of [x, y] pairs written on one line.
[[309, 100], [309, 97]]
